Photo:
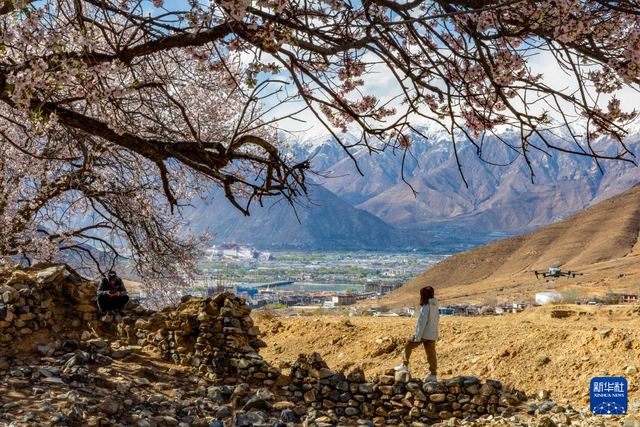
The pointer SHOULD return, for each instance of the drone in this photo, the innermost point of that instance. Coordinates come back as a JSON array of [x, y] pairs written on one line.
[[556, 272]]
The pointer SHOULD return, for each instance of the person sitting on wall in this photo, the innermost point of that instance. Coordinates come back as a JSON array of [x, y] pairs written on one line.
[[112, 295]]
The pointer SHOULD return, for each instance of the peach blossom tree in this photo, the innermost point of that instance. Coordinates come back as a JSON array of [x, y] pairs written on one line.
[[126, 109]]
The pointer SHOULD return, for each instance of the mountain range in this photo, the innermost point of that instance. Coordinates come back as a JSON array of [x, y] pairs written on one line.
[[378, 210], [320, 222], [498, 198]]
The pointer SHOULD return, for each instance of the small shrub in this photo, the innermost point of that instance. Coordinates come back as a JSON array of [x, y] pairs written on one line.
[[266, 315], [542, 359]]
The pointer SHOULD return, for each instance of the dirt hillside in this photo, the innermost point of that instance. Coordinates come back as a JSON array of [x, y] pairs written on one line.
[[601, 241], [531, 350]]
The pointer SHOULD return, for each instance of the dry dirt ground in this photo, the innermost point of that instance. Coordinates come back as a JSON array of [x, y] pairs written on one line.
[[530, 350]]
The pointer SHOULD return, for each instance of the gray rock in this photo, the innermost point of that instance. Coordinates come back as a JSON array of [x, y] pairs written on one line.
[[58, 418], [156, 398], [141, 381], [107, 318], [50, 274], [431, 387], [121, 354], [288, 416], [169, 421], [29, 416], [438, 397], [365, 388], [342, 386], [495, 384], [454, 382], [80, 358], [250, 418], [487, 390], [224, 412], [604, 333], [631, 421], [507, 399], [9, 295], [45, 350], [52, 380], [356, 375], [547, 405], [109, 406], [98, 343], [546, 422], [326, 373], [215, 394], [402, 377], [413, 387], [351, 411], [70, 346], [102, 359], [257, 403]]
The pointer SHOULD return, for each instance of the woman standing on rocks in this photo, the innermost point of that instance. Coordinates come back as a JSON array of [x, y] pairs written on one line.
[[426, 333]]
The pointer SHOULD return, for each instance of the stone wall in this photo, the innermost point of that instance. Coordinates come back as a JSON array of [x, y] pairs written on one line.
[[215, 336], [396, 395], [43, 298]]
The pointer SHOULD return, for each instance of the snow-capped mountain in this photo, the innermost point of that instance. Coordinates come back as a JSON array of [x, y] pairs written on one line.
[[503, 193]]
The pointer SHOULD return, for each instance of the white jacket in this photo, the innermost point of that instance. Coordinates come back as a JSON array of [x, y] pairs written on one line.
[[427, 326]]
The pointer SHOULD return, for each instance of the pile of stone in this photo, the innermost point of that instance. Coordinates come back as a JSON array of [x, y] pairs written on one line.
[[42, 297], [216, 336], [95, 382], [396, 396]]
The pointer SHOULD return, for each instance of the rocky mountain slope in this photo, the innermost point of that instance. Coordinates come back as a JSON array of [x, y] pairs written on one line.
[[323, 221], [501, 195], [601, 241]]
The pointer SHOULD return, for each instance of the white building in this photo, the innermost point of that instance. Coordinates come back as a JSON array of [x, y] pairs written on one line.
[[546, 297], [234, 251]]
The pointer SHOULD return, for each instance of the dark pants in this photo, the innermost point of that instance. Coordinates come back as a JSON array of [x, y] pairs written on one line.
[[106, 303]]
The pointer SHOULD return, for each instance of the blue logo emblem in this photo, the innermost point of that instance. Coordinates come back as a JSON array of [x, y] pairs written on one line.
[[609, 396]]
